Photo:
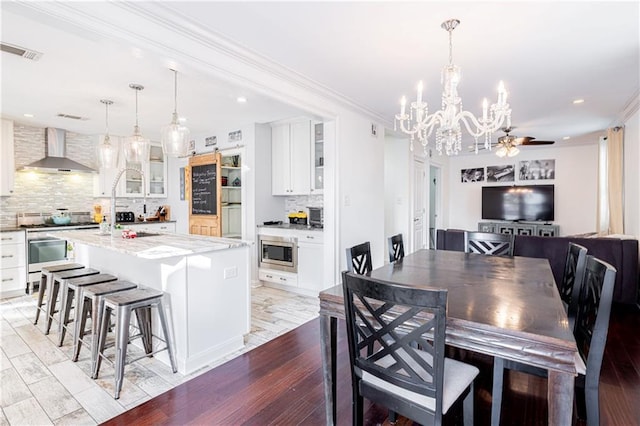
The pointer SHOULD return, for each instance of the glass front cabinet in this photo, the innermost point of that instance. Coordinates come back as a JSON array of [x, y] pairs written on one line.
[[317, 159]]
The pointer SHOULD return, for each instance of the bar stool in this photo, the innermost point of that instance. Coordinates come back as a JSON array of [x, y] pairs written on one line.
[[47, 272], [122, 304], [54, 288], [89, 300], [68, 289]]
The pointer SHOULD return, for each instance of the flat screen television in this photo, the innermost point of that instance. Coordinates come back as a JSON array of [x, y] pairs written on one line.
[[518, 203]]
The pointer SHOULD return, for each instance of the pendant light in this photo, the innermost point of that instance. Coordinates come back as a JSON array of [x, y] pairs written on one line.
[[136, 147], [107, 152], [175, 136]]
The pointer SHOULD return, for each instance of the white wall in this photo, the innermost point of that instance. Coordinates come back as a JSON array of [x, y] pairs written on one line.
[[575, 186], [397, 188], [360, 177], [632, 173]]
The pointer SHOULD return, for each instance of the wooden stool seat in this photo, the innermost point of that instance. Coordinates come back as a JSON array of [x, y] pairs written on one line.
[[68, 288], [54, 289], [47, 272], [122, 304], [89, 300]]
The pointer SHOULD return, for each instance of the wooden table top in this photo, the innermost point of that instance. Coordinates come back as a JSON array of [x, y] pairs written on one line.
[[506, 306]]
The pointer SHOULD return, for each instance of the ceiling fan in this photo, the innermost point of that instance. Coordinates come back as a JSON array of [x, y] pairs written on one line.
[[507, 145]]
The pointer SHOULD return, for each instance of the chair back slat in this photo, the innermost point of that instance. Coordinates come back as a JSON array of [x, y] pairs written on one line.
[[359, 258], [489, 243], [572, 280], [396, 248], [592, 320]]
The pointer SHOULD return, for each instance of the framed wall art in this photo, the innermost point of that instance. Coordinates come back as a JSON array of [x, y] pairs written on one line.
[[537, 170], [472, 175], [501, 173]]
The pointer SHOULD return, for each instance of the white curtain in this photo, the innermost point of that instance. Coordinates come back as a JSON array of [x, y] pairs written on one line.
[[610, 187]]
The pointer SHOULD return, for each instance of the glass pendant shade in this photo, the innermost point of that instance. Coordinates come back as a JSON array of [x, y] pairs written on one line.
[[136, 147], [107, 152], [175, 137]]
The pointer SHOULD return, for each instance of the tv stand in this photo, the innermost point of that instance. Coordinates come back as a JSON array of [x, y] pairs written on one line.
[[541, 229]]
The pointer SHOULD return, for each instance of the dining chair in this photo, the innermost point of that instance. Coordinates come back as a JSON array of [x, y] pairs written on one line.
[[572, 280], [396, 248], [489, 243], [408, 373], [591, 328], [359, 258]]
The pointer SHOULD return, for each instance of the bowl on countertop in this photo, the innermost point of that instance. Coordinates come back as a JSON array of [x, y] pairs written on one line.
[[61, 220]]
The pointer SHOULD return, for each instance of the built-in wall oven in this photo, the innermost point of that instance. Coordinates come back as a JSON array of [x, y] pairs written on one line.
[[43, 248], [279, 253]]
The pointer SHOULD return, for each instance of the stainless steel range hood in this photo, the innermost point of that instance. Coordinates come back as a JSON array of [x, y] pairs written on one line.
[[55, 151]]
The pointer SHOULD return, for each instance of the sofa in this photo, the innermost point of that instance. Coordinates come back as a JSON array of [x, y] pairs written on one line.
[[620, 253]]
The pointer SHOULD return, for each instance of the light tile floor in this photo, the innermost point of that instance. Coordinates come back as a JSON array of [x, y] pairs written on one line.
[[40, 385]]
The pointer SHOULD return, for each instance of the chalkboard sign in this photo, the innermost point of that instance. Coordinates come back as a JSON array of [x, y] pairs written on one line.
[[203, 189]]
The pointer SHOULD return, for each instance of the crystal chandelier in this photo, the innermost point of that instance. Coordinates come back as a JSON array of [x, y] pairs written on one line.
[[107, 152], [136, 147], [447, 122], [175, 136]]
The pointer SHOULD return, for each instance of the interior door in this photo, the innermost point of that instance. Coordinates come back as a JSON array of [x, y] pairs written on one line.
[[418, 213], [204, 192], [434, 183]]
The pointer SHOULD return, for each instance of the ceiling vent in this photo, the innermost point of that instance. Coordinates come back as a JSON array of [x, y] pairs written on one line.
[[20, 51], [72, 117]]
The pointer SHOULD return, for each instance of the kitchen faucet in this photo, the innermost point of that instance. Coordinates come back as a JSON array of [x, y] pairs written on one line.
[[113, 197]]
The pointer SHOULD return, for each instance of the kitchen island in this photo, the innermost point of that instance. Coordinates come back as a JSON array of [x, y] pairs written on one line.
[[207, 281]]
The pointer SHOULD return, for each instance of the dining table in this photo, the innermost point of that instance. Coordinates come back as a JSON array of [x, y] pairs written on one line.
[[501, 306]]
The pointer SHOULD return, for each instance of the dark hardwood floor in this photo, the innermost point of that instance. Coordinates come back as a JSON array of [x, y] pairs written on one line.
[[280, 383]]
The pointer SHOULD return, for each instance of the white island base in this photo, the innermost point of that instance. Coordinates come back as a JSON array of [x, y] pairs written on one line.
[[207, 281]]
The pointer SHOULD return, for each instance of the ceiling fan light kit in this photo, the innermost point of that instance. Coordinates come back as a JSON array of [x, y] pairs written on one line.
[[447, 122]]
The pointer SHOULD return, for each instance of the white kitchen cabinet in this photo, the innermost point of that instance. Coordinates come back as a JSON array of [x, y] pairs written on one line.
[[291, 158], [232, 221], [12, 268], [311, 261], [309, 278], [317, 159], [7, 160], [151, 226]]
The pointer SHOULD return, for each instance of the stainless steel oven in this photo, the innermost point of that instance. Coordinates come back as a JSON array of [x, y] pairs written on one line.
[[44, 249], [280, 253]]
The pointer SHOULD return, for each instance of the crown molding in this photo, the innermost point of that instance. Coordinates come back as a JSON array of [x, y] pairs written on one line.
[[167, 32]]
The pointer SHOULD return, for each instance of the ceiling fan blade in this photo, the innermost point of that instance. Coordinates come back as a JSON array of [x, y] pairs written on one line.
[[535, 142]]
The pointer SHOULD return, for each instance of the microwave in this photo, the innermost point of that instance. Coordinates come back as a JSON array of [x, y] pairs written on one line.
[[279, 253], [316, 217]]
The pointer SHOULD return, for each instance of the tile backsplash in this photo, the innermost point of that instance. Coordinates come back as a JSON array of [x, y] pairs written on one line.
[[301, 202], [45, 192]]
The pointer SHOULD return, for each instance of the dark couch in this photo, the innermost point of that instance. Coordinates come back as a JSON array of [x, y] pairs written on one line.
[[622, 254]]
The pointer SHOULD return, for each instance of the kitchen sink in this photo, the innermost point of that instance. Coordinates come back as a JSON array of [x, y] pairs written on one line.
[[146, 234]]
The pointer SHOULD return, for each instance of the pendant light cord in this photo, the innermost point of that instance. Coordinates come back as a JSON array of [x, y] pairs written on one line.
[[175, 92]]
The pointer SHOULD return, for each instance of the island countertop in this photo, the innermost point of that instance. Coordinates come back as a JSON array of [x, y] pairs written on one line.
[[155, 246]]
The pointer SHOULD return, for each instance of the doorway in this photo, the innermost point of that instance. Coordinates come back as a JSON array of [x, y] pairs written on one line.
[[434, 196], [419, 199]]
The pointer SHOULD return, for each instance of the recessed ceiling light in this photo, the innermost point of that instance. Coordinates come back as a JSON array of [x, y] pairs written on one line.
[[28, 115], [241, 100], [578, 101], [566, 138]]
